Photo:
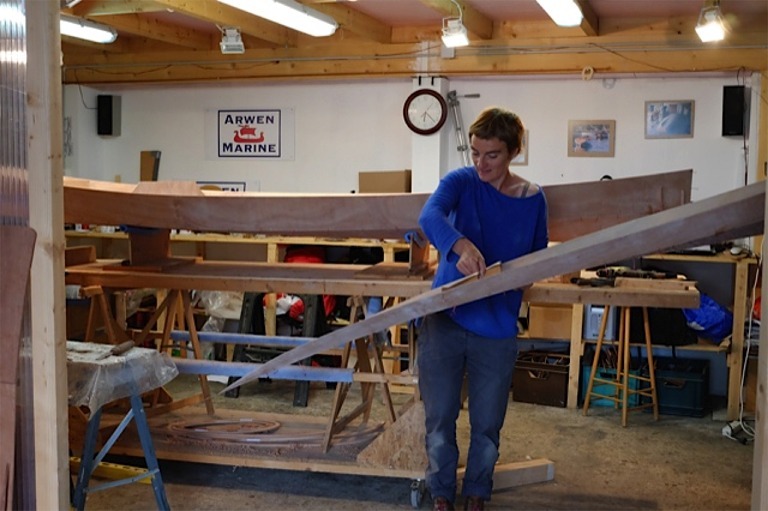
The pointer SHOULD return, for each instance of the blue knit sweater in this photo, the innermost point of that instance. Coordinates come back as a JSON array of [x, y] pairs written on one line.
[[501, 227]]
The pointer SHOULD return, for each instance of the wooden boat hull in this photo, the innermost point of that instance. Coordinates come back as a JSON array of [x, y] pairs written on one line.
[[574, 209]]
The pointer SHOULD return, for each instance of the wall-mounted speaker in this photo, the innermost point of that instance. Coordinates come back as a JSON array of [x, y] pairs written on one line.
[[108, 115], [735, 110]]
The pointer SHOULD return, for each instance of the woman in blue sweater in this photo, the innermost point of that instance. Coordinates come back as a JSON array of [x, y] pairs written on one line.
[[478, 216]]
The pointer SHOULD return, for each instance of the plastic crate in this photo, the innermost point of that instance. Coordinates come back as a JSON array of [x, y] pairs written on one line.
[[605, 389], [541, 378], [682, 386]]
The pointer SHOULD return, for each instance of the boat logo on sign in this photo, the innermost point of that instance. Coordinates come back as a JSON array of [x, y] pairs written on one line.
[[249, 133]]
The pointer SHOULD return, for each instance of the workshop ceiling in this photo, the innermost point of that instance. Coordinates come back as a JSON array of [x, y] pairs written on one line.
[[178, 41]]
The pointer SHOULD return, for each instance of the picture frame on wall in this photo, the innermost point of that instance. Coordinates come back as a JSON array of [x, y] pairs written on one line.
[[522, 156], [591, 138], [669, 119]]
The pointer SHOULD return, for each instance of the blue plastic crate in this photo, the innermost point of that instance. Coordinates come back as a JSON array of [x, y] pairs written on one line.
[[605, 389], [682, 386]]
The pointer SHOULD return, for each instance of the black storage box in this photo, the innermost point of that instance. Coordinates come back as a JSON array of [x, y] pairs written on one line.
[[682, 386], [541, 378]]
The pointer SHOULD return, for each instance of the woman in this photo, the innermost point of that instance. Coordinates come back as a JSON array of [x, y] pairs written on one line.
[[478, 216]]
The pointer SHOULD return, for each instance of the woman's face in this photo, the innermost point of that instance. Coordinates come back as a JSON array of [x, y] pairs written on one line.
[[491, 158]]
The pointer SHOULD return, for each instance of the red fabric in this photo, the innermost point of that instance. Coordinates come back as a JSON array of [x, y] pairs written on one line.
[[310, 254]]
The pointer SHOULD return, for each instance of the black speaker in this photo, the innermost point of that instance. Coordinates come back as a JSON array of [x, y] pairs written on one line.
[[734, 110], [108, 115]]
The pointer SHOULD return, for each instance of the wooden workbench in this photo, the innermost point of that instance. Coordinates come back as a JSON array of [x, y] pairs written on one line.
[[345, 280]]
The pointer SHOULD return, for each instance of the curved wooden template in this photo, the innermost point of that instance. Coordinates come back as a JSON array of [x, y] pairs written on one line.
[[574, 209], [740, 210]]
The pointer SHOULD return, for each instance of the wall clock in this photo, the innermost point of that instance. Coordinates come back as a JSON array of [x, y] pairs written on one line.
[[425, 111]]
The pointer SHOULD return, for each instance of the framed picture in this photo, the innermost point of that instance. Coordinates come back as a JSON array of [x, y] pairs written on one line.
[[669, 119], [591, 138], [522, 157]]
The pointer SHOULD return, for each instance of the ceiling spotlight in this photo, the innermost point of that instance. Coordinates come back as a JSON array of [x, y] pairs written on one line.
[[231, 41], [86, 29], [711, 24], [289, 13], [454, 31], [565, 13]]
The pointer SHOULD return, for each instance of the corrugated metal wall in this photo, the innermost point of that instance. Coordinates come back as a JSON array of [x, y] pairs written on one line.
[[14, 210]]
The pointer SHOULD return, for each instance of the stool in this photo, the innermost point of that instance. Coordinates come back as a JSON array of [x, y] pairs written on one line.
[[621, 382]]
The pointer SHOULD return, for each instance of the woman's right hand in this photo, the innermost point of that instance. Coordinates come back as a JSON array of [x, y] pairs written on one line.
[[470, 259]]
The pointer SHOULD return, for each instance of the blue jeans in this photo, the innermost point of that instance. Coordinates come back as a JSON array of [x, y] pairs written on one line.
[[445, 352]]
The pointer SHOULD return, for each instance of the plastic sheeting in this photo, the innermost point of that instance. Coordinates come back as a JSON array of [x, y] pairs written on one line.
[[94, 381]]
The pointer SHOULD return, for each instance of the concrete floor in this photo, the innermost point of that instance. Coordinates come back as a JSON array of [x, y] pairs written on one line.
[[675, 463]]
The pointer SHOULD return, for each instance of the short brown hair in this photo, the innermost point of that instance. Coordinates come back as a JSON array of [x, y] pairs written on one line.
[[495, 122]]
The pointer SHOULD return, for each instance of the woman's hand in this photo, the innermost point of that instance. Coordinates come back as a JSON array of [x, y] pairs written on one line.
[[470, 259]]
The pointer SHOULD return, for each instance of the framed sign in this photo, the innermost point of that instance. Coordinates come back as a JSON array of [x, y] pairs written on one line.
[[591, 138], [250, 133], [669, 119], [522, 156]]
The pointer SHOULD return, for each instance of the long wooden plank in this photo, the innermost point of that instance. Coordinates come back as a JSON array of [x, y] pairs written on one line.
[[574, 209], [16, 248], [741, 208]]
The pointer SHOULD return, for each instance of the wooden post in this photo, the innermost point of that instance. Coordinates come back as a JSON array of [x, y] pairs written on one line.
[[46, 208]]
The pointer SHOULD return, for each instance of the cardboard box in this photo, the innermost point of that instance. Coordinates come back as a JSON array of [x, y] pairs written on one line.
[[547, 321], [393, 181]]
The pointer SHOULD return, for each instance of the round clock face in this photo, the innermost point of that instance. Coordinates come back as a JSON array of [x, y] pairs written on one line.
[[425, 111]]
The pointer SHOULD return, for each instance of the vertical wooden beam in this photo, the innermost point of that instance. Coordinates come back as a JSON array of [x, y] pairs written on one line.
[[46, 208], [576, 350], [760, 456], [736, 357], [761, 172]]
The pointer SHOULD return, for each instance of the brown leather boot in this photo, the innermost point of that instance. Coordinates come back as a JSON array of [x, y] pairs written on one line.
[[474, 504], [441, 504]]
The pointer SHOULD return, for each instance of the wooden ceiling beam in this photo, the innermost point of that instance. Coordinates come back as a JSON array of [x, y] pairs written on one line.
[[147, 25], [186, 66], [477, 23], [91, 8], [357, 22], [590, 24], [223, 15]]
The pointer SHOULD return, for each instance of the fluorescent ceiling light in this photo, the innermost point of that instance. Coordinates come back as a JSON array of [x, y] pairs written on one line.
[[565, 13], [454, 33], [86, 29], [711, 25], [289, 13]]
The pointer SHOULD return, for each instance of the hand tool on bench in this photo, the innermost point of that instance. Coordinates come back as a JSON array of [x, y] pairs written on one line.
[[118, 349]]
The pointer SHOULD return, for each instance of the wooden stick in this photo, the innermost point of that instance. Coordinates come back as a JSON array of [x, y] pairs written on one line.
[[738, 210]]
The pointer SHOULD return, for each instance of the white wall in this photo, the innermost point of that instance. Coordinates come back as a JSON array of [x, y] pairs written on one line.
[[343, 128]]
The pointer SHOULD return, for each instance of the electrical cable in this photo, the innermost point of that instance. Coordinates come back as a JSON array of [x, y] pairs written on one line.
[[747, 428]]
